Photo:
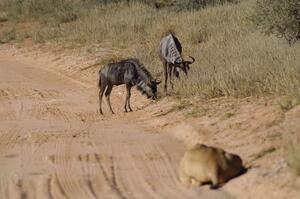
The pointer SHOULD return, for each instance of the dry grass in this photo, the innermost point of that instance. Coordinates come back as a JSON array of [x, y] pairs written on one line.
[[7, 35], [293, 151], [293, 159], [197, 111], [291, 135], [232, 58], [287, 103]]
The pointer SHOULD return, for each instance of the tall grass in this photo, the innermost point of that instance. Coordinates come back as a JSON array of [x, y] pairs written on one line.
[[232, 57]]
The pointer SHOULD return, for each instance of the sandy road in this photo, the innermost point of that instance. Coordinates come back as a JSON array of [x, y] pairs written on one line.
[[53, 143]]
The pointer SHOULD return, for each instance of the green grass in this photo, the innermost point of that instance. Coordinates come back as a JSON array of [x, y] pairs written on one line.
[[232, 57]]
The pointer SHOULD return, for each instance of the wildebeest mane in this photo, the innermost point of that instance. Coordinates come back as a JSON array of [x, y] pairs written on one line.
[[140, 68], [177, 43]]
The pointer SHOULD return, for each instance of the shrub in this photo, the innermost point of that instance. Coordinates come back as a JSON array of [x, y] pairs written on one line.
[[279, 17], [60, 11], [197, 4], [181, 5], [7, 36]]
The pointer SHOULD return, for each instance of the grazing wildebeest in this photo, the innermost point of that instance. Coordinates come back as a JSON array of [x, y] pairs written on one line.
[[170, 54], [130, 72]]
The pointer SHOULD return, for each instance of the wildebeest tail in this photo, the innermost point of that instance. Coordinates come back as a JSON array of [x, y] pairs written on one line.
[[99, 83]]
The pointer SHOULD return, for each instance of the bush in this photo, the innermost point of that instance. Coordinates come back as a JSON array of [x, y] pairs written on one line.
[[279, 17], [60, 11], [7, 36], [68, 10], [182, 5], [197, 4]]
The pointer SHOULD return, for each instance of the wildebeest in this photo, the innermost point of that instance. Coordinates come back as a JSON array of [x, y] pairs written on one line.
[[130, 72], [203, 164], [170, 54]]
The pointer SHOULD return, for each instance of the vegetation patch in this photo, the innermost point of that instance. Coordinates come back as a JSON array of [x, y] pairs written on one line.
[[278, 17], [288, 103], [228, 115], [197, 110], [3, 17], [293, 158], [183, 104], [8, 35], [232, 57]]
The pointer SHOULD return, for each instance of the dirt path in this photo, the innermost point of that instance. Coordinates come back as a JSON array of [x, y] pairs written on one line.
[[53, 143]]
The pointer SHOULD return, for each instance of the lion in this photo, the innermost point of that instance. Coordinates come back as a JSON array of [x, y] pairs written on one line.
[[204, 164]]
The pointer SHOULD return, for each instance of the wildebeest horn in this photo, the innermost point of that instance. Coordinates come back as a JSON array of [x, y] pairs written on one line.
[[193, 59]]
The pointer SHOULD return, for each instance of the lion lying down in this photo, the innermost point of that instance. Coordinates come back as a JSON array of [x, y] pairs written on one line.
[[203, 164]]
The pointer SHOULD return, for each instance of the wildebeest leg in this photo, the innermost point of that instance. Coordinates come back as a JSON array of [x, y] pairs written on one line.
[[127, 101], [107, 95], [100, 101], [101, 91], [171, 69], [215, 180], [166, 75]]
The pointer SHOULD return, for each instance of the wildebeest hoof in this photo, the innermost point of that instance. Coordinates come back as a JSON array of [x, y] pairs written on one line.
[[216, 186]]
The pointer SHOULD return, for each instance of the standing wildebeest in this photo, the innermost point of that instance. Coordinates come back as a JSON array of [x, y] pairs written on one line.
[[170, 54], [130, 72]]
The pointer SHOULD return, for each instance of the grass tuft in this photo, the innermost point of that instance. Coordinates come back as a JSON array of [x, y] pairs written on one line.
[[293, 159], [8, 35], [288, 103], [228, 115]]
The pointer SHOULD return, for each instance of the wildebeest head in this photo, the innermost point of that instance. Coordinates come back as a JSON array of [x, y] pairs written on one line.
[[184, 66], [149, 89]]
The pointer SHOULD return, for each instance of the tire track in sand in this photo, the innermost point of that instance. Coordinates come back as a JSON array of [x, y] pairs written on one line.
[[86, 157]]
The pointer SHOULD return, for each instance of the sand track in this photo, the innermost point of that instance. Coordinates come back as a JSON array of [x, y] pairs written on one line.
[[53, 143]]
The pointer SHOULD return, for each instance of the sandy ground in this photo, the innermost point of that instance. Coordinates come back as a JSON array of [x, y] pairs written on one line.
[[54, 144]]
